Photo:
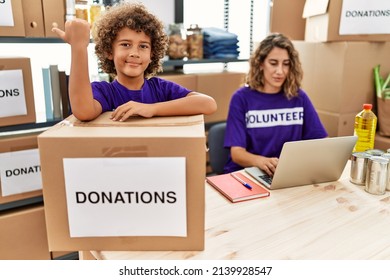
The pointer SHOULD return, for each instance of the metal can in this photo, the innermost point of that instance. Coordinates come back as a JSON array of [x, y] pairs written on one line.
[[375, 152], [376, 177], [359, 167], [387, 155]]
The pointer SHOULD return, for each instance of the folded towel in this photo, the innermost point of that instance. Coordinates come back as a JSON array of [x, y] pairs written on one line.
[[213, 34]]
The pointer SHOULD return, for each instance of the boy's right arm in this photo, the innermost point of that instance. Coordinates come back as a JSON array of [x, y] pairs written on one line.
[[77, 35]]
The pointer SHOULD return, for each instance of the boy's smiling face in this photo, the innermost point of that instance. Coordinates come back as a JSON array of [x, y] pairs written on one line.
[[131, 53]]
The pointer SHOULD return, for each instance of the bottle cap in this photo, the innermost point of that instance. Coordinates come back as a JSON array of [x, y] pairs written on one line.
[[367, 106]]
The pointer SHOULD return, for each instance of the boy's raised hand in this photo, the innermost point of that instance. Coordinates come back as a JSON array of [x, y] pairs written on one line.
[[77, 31]]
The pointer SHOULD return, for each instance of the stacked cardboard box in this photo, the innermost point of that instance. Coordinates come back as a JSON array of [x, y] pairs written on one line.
[[20, 170], [126, 145], [17, 104], [23, 234], [338, 61], [32, 18], [220, 86]]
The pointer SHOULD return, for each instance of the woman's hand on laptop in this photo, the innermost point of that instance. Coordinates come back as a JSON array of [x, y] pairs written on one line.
[[268, 165], [242, 157]]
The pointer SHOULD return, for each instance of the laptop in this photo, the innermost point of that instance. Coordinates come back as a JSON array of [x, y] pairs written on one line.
[[308, 162]]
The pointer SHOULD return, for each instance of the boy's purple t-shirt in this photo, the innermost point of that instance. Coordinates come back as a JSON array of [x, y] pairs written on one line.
[[111, 95], [262, 123]]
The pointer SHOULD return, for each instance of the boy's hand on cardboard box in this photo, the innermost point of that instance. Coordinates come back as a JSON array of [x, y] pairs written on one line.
[[133, 108]]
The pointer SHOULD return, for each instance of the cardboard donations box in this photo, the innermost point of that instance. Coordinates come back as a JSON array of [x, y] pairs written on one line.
[[20, 170], [347, 20], [344, 81], [133, 185], [16, 91], [286, 18], [11, 19], [23, 234]]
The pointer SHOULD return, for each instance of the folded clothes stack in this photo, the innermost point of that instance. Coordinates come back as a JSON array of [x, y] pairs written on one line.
[[218, 43]]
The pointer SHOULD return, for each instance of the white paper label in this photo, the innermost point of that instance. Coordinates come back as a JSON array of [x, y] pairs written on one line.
[[12, 96], [126, 196], [20, 172], [6, 16], [365, 17]]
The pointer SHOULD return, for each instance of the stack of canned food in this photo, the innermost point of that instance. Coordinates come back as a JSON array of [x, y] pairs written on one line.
[[371, 169]]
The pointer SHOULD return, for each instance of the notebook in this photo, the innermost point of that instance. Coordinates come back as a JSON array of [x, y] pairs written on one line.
[[308, 162], [234, 190]]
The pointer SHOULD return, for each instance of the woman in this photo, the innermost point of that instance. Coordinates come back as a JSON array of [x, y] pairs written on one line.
[[270, 109]]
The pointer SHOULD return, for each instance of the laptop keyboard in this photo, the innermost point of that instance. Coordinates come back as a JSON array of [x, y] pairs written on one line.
[[266, 178]]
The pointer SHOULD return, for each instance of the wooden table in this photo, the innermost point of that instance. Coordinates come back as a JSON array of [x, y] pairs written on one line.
[[336, 220]]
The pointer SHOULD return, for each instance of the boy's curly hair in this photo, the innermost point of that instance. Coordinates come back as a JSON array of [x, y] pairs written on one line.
[[136, 17], [255, 77]]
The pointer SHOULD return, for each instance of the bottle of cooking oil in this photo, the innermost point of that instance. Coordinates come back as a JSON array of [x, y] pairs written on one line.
[[95, 9], [365, 128]]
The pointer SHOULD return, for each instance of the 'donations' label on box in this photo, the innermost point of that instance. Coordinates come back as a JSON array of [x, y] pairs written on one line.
[[12, 96], [6, 16], [365, 17], [20, 172], [134, 196]]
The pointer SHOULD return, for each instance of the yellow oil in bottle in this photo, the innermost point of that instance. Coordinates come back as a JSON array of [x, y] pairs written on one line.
[[365, 129]]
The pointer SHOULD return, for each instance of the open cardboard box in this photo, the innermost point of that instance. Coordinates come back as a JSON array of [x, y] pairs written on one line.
[[323, 19]]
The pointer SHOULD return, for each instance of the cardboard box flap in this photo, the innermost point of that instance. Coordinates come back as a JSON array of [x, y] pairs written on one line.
[[315, 8], [104, 120]]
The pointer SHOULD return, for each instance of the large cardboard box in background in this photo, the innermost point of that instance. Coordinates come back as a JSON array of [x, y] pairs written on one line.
[[338, 76], [16, 63], [137, 137], [337, 124], [221, 87], [323, 23], [382, 142], [14, 144], [188, 81], [23, 234], [33, 18], [307, 54], [14, 24], [286, 18]]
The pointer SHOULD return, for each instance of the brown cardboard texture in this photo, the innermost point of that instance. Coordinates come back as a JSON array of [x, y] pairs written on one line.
[[33, 18], [188, 81], [23, 235], [136, 137], [382, 142], [286, 18], [13, 144], [17, 30], [307, 51], [53, 15], [337, 76], [337, 124], [221, 87], [323, 23], [12, 63]]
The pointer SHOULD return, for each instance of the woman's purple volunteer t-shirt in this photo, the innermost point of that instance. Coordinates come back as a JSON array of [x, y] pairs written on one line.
[[262, 122]]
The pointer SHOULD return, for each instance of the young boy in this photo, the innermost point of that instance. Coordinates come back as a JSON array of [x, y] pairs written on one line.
[[130, 44]]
